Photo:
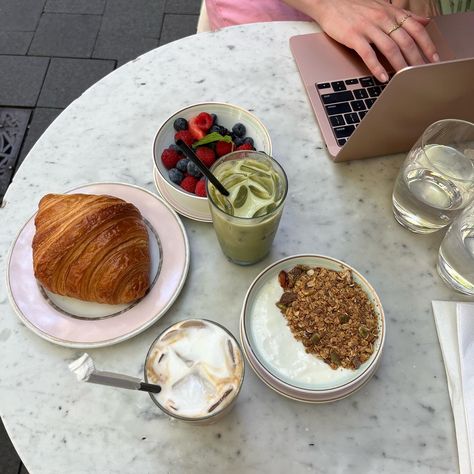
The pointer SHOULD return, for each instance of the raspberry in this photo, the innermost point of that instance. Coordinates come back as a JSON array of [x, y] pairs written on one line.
[[184, 135], [169, 158], [206, 155], [201, 188], [222, 148], [245, 146], [204, 121], [189, 184], [195, 129]]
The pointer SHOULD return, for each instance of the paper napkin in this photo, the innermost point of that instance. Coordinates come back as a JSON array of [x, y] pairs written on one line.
[[455, 327]]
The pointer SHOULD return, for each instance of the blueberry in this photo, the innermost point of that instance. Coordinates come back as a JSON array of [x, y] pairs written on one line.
[[180, 124], [224, 131], [215, 128], [175, 148], [175, 175], [182, 165], [214, 118], [238, 141], [239, 130], [193, 170], [249, 140]]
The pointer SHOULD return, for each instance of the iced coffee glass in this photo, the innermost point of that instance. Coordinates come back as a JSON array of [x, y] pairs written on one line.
[[199, 366], [247, 220]]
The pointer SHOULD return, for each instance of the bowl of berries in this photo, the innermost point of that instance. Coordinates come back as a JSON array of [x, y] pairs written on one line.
[[212, 130]]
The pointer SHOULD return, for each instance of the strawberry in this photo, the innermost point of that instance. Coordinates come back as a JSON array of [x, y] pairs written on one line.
[[222, 148], [245, 146], [170, 157], [206, 155], [189, 184], [201, 188], [184, 135], [195, 130]]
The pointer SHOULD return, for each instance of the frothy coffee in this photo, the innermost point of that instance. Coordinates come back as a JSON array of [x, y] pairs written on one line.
[[199, 367]]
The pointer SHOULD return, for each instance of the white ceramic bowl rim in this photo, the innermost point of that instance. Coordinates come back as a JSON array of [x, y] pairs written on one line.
[[306, 391]]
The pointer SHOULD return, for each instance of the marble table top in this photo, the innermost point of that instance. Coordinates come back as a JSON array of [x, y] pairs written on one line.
[[399, 422]]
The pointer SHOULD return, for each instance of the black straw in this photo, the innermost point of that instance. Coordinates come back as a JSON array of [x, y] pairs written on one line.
[[149, 387], [205, 170]]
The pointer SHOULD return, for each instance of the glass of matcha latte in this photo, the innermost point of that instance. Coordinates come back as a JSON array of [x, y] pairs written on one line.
[[246, 221]]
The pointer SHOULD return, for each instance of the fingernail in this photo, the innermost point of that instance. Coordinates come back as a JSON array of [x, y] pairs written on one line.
[[383, 77], [436, 57]]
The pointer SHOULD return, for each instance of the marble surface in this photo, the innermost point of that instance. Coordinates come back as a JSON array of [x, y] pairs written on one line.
[[400, 422]]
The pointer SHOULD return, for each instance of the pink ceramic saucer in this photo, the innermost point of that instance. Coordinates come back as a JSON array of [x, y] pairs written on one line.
[[73, 323]]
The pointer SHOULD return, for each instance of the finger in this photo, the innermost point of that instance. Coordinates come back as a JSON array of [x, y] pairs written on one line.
[[422, 39], [387, 47], [366, 52], [407, 46], [420, 19]]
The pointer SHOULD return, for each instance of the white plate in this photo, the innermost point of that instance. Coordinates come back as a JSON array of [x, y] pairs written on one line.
[[73, 323]]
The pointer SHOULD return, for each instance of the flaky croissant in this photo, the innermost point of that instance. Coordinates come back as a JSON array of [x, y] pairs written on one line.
[[94, 248]]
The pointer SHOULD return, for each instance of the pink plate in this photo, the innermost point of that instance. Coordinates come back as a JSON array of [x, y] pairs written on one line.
[[73, 323]]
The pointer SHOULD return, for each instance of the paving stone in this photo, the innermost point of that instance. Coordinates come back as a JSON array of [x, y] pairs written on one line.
[[122, 47], [183, 6], [13, 124], [10, 462], [62, 34], [20, 15], [21, 80], [178, 26], [42, 118], [140, 17], [15, 42], [91, 7], [68, 78]]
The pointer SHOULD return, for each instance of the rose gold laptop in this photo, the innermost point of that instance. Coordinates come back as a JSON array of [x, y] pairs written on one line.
[[359, 117]]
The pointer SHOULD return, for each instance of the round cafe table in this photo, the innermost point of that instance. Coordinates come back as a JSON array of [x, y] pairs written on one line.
[[401, 421]]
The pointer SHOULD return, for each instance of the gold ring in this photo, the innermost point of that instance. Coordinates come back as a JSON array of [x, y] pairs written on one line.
[[394, 27], [404, 19]]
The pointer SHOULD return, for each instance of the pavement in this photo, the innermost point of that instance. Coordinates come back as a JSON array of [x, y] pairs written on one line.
[[51, 51]]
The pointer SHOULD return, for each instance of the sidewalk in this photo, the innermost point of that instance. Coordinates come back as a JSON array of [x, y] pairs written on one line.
[[53, 50]]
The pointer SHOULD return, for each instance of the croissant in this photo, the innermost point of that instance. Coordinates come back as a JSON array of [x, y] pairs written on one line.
[[94, 248]]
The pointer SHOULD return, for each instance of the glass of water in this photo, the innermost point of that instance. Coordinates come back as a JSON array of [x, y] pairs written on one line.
[[456, 254], [436, 180]]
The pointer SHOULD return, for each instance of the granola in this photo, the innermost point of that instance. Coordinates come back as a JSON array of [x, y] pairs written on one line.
[[330, 314]]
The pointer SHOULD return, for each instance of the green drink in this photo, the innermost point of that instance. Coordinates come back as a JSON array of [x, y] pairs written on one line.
[[246, 221]]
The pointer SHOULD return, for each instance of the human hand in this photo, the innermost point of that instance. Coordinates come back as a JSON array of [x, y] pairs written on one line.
[[398, 34]]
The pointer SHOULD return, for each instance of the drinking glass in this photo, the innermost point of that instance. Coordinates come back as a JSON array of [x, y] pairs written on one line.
[[456, 253], [246, 222], [436, 181]]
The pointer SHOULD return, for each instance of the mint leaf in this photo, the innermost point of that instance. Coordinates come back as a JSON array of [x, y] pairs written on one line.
[[212, 137]]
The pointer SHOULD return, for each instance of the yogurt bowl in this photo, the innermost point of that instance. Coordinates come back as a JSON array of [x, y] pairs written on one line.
[[186, 203], [280, 360]]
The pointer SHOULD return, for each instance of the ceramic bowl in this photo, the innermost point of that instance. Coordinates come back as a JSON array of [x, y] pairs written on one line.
[[265, 334], [188, 204]]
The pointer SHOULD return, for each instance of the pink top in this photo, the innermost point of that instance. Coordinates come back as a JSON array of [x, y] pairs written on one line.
[[224, 13]]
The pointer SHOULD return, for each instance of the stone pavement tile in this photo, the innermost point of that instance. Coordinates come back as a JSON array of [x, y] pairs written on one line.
[[183, 6], [21, 80], [20, 15], [178, 26], [15, 42], [42, 118], [10, 462], [62, 34], [67, 79], [122, 47], [140, 17], [91, 7]]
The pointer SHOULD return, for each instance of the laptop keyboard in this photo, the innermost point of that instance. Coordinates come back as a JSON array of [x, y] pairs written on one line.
[[346, 102]]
